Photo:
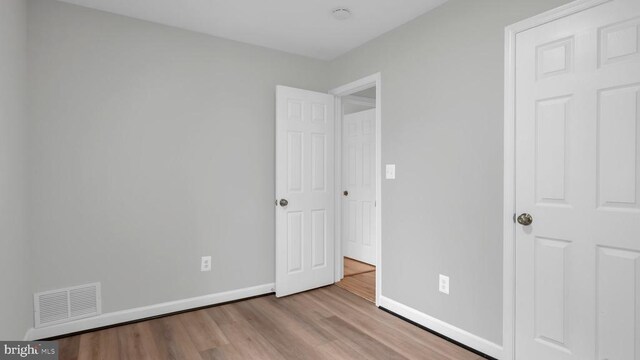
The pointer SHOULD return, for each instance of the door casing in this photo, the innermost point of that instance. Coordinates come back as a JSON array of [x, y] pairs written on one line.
[[339, 92], [509, 205]]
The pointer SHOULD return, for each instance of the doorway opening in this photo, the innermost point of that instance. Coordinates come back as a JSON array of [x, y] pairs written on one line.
[[358, 174], [359, 278]]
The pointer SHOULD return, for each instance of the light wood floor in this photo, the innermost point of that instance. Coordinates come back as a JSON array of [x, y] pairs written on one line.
[[326, 323], [355, 267], [359, 278]]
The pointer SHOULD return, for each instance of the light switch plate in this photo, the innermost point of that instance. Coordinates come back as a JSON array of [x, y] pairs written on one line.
[[390, 171], [443, 285]]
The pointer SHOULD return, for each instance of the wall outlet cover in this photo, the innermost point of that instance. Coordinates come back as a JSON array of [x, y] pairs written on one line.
[[205, 263], [390, 171]]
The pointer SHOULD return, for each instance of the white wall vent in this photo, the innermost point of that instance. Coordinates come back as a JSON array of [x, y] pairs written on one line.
[[64, 305]]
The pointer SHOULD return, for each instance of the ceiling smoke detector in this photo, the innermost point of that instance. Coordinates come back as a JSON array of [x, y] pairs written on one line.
[[341, 13]]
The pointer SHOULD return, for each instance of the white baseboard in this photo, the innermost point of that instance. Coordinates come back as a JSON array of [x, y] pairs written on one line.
[[145, 312], [441, 327]]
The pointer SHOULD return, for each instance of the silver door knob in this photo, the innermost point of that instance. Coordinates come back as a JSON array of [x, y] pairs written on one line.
[[525, 219], [284, 202]]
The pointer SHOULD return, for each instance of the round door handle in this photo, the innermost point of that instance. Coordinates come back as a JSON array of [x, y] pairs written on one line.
[[345, 193], [284, 202], [525, 219]]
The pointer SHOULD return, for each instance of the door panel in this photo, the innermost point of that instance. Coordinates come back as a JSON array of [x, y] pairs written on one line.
[[319, 238], [304, 178], [617, 151], [617, 325], [358, 207], [577, 174]]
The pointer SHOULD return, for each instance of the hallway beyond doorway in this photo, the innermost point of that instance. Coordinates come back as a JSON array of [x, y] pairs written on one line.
[[359, 278]]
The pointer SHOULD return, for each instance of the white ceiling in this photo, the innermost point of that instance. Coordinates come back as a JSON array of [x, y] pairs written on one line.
[[304, 27]]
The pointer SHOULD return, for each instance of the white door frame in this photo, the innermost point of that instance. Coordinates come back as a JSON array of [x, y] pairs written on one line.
[[339, 92], [509, 209]]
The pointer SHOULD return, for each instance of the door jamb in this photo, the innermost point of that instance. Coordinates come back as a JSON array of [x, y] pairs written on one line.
[[509, 205], [339, 92]]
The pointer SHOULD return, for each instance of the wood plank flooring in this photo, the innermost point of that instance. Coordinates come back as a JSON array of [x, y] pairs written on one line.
[[355, 267], [359, 278], [326, 323], [363, 285]]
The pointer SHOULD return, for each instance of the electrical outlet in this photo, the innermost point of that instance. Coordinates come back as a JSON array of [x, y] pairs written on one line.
[[205, 263], [444, 284], [390, 171]]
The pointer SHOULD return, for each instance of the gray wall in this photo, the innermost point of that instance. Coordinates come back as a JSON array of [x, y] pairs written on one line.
[[150, 147], [15, 301], [442, 99]]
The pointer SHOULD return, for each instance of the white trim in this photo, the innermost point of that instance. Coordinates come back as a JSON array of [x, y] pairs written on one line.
[[462, 336], [146, 311], [338, 272], [509, 275], [345, 90], [357, 86]]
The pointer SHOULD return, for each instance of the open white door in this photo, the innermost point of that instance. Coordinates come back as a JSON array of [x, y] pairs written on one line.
[[578, 186], [304, 190], [359, 186]]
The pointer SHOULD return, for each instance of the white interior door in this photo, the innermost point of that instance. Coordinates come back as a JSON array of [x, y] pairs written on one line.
[[578, 176], [359, 186], [304, 190]]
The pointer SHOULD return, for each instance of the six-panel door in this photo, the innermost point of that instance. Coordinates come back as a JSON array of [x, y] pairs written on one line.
[[578, 175], [358, 180], [305, 180]]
